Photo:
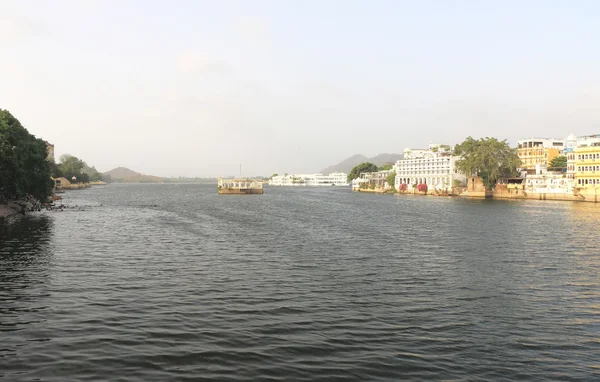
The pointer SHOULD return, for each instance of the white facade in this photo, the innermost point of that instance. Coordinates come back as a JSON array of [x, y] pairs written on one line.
[[333, 179], [547, 143], [377, 178], [434, 167], [547, 182]]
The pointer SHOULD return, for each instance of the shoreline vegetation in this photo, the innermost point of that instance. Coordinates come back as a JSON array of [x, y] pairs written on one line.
[[25, 171], [29, 176]]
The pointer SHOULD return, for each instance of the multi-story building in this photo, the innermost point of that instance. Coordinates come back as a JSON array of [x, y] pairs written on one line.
[[545, 182], [540, 151], [587, 165], [333, 179], [570, 146], [433, 167], [378, 179], [572, 143]]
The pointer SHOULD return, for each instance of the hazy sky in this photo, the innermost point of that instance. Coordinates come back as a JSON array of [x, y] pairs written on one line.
[[194, 88]]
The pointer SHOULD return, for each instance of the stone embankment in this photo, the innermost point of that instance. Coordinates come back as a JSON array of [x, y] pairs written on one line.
[[75, 186], [413, 191], [476, 189], [7, 210], [16, 207]]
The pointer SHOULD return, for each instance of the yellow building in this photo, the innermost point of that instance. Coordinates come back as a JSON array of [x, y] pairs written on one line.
[[587, 166], [538, 151]]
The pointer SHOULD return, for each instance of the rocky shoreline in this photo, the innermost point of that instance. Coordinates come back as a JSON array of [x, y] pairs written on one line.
[[18, 207], [7, 210]]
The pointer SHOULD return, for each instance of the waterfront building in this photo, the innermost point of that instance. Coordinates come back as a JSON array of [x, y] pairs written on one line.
[[587, 165], [239, 186], [333, 179], [545, 182], [376, 179], [540, 151], [572, 143], [434, 167]]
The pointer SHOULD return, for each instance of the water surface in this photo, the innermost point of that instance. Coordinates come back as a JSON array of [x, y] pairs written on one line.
[[175, 283]]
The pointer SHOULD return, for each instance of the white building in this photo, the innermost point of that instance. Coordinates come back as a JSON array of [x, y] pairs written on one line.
[[433, 167], [547, 143], [377, 179], [333, 179], [547, 182]]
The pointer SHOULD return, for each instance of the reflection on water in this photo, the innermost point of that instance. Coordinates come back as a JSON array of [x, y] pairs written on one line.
[[173, 282], [25, 261], [585, 212]]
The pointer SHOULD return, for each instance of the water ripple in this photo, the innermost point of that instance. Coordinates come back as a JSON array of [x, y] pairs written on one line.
[[173, 282]]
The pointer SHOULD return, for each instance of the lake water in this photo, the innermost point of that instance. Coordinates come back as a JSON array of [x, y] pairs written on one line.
[[176, 283]]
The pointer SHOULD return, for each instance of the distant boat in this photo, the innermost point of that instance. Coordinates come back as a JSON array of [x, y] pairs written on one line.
[[240, 186]]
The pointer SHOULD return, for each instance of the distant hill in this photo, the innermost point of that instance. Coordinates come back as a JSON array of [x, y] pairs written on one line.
[[347, 164], [125, 175]]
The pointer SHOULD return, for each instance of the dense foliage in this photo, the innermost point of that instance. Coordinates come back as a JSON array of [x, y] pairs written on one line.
[[71, 166], [488, 158], [386, 166], [391, 179], [24, 168], [363, 167], [92, 173], [559, 162]]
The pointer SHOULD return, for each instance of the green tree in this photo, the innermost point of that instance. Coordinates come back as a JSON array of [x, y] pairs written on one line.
[[71, 167], [93, 174], [559, 162], [488, 158], [24, 168], [363, 167], [391, 179], [55, 170], [386, 166]]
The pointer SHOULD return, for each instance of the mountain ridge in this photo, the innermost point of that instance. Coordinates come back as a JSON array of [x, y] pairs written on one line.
[[126, 175], [349, 163]]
